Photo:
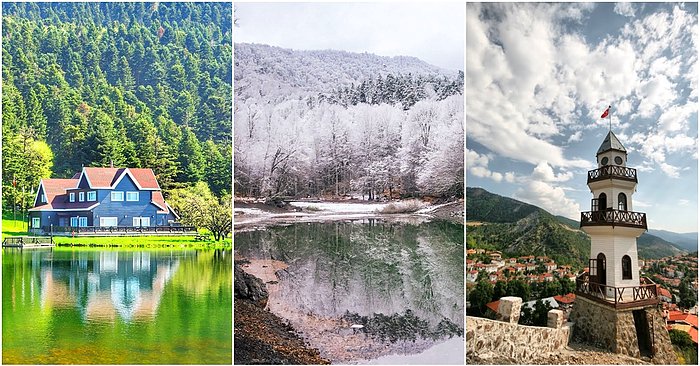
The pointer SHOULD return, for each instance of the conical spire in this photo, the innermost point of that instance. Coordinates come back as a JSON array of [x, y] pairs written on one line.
[[611, 142]]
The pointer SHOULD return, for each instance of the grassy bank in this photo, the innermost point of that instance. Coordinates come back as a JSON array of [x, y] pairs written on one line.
[[12, 227], [141, 242]]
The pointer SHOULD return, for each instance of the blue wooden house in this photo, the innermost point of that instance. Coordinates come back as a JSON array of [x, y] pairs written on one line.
[[102, 198]]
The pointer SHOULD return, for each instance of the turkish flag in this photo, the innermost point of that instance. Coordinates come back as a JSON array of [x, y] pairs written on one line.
[[605, 114]]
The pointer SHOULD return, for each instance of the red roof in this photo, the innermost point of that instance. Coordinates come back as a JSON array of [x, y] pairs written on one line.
[[664, 292], [493, 305], [57, 196], [680, 317], [565, 299], [55, 191], [694, 334], [107, 177]]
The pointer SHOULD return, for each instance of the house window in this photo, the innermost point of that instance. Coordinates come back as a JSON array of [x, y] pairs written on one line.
[[108, 221], [43, 198], [92, 196], [82, 221], [622, 202], [36, 222], [132, 196], [81, 196], [141, 221], [626, 268], [71, 197], [117, 196], [73, 221]]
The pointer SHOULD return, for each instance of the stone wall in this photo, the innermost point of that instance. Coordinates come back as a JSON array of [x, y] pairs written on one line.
[[519, 343], [604, 327]]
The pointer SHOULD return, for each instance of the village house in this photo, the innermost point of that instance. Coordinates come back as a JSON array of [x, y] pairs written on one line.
[[472, 276], [470, 264], [100, 198], [551, 266]]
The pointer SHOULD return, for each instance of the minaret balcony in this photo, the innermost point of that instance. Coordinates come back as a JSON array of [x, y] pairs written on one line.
[[614, 218], [623, 297], [612, 172]]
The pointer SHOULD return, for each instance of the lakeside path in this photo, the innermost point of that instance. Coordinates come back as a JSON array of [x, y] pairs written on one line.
[[250, 215]]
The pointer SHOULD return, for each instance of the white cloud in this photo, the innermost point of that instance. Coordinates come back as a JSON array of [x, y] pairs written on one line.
[[670, 170], [477, 165], [545, 173], [551, 198], [577, 136], [624, 9], [510, 177], [683, 202]]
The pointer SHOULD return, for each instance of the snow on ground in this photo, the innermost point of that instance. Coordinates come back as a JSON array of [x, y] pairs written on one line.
[[340, 207]]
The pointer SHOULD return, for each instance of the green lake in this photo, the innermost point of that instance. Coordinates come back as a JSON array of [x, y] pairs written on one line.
[[403, 280], [62, 306]]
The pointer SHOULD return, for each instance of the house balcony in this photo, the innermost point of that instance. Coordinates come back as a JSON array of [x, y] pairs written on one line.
[[622, 297], [614, 218], [612, 172]]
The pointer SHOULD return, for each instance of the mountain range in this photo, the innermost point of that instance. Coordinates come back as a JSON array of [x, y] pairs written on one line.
[[518, 228]]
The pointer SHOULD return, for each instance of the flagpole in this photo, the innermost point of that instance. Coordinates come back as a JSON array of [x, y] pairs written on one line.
[[610, 119]]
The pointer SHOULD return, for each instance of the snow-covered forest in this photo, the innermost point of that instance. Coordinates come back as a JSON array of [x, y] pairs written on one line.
[[339, 123]]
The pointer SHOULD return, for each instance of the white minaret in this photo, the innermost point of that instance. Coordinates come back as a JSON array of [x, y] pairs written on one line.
[[611, 223]]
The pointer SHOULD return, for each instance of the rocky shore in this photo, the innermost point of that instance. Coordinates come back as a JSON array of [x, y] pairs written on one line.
[[261, 337]]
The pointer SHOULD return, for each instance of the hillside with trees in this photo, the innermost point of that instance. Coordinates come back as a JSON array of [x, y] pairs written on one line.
[[130, 84], [518, 228], [319, 123]]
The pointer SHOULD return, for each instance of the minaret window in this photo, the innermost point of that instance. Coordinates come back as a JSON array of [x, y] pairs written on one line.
[[622, 202], [618, 160], [604, 161], [594, 205], [602, 202], [626, 268]]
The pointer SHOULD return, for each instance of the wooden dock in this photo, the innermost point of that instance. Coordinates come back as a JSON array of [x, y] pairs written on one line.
[[28, 242]]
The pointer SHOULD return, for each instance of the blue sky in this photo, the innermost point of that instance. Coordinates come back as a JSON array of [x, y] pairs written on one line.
[[538, 77]]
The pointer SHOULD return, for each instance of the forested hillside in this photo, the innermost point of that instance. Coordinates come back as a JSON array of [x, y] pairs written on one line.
[[339, 123], [130, 84], [518, 228]]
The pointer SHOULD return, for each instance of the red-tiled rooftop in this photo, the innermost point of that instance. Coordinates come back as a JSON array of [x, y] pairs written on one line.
[[107, 177], [565, 299], [54, 188], [493, 305]]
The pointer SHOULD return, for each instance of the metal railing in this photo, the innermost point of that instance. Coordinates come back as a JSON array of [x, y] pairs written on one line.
[[644, 294], [118, 229], [614, 218], [612, 171]]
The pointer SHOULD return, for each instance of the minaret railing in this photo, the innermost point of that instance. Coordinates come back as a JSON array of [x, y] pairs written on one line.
[[644, 294], [612, 171], [614, 218]]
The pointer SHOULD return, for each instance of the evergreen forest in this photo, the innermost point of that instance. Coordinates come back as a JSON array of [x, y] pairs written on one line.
[[144, 85]]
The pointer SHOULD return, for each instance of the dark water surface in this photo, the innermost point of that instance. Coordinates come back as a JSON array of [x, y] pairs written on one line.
[[116, 306], [402, 280]]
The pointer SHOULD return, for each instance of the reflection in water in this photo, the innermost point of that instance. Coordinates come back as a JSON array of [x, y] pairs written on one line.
[[116, 306], [104, 285], [365, 267]]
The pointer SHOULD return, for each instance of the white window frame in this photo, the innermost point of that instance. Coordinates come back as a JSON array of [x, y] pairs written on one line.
[[74, 221], [82, 221], [144, 221], [36, 222], [43, 198], [103, 219], [92, 196], [132, 193], [81, 196], [114, 194], [71, 197]]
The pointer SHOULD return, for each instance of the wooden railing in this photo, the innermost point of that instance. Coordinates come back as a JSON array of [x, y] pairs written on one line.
[[614, 218], [644, 294], [119, 229], [612, 171]]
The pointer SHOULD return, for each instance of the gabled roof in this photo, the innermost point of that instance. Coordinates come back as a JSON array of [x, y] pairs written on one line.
[[565, 299], [611, 142], [56, 197], [108, 178]]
